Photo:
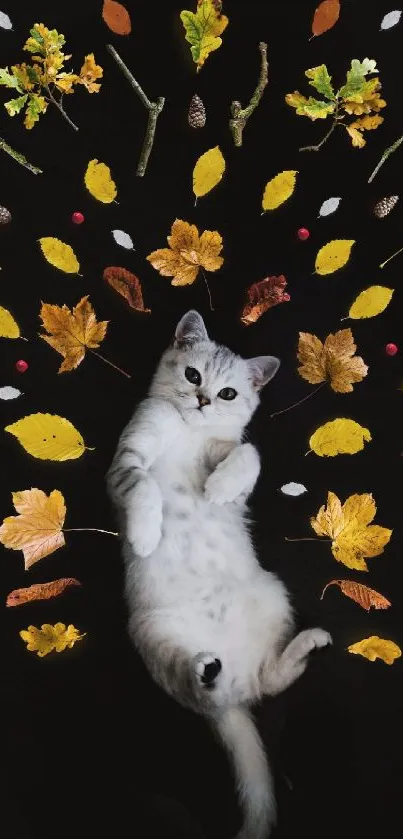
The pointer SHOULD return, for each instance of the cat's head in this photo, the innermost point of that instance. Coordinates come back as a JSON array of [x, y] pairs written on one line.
[[207, 383]]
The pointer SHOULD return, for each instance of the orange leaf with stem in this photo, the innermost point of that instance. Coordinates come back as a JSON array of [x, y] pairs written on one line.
[[363, 595]]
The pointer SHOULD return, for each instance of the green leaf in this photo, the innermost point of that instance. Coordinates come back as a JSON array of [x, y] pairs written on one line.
[[355, 80], [36, 106], [312, 108], [321, 80], [8, 80], [14, 106]]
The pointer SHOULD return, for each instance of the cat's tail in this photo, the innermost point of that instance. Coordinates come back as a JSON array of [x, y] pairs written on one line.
[[255, 784]]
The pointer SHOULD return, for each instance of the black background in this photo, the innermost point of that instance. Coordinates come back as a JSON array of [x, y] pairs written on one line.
[[89, 744]]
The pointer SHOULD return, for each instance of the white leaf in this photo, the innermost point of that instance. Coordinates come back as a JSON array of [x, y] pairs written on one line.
[[293, 489], [123, 239], [329, 206], [9, 392], [5, 21], [391, 19], [369, 65]]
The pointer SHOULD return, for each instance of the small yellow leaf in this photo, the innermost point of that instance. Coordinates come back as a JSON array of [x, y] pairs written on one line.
[[340, 436], [208, 171], [59, 254], [99, 182], [48, 638], [357, 139], [37, 529], [48, 437], [375, 647], [349, 527], [371, 302], [8, 326], [279, 189], [333, 256]]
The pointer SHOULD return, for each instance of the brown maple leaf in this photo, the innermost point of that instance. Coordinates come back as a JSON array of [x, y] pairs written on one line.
[[263, 296], [187, 253], [72, 332], [333, 362], [37, 529]]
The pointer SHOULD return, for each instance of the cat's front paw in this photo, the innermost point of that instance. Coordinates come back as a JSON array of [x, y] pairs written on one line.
[[144, 536], [220, 489]]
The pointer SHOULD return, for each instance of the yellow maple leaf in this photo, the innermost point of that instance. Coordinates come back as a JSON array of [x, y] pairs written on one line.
[[187, 253], [99, 183], [339, 436], [350, 529], [8, 326], [376, 647], [37, 529], [370, 302], [279, 189], [334, 361], [48, 638], [89, 73], [48, 437], [72, 332], [59, 254], [333, 255], [208, 171], [203, 29]]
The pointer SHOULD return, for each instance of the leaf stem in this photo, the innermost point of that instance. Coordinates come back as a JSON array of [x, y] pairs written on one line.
[[61, 109], [326, 137], [382, 265], [87, 529], [208, 290], [385, 156], [154, 109], [295, 404], [16, 155], [305, 539], [239, 115], [111, 364]]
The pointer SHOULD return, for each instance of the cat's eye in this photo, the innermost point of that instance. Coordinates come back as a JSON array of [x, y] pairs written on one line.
[[193, 376], [227, 393]]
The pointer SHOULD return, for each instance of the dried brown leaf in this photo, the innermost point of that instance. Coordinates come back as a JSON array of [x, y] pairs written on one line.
[[363, 595], [263, 296], [40, 591], [128, 285]]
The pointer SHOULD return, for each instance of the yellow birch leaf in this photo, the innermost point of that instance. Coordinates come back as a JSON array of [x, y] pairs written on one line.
[[340, 436], [8, 326], [59, 254], [333, 256], [48, 437], [48, 638], [99, 182], [279, 189], [375, 647], [37, 529], [208, 171], [372, 301]]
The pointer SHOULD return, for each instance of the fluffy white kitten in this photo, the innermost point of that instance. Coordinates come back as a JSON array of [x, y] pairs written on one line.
[[213, 627]]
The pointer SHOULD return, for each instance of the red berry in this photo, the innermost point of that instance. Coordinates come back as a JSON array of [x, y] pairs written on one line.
[[303, 233], [286, 297], [77, 218], [391, 349], [21, 366]]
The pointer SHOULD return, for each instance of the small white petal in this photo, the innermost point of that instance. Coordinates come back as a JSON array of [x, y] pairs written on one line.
[[293, 489], [391, 19], [9, 392], [5, 21], [123, 239], [329, 206]]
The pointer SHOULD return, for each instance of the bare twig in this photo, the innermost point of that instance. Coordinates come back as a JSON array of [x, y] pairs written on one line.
[[384, 157], [60, 108], [239, 115], [16, 155], [154, 109]]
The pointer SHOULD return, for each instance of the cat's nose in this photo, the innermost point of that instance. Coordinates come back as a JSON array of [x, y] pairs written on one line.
[[202, 400]]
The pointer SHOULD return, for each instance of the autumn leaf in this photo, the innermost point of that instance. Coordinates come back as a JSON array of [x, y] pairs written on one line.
[[370, 302], [59, 254], [187, 253], [40, 591], [375, 647], [48, 437], [208, 171], [116, 17], [263, 296], [37, 529], [321, 81], [312, 108], [364, 596], [356, 137], [128, 285], [89, 73], [339, 436], [48, 638], [99, 183], [279, 189], [333, 256], [348, 526], [203, 29], [72, 332], [334, 361], [8, 326], [325, 16]]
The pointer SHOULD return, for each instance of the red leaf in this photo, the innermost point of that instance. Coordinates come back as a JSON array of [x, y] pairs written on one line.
[[128, 285], [263, 296], [326, 15], [116, 17]]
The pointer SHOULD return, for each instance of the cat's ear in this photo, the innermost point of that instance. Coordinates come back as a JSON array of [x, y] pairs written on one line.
[[190, 329], [262, 369]]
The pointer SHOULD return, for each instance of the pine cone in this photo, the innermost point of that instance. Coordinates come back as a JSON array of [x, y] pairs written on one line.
[[197, 113], [5, 215], [385, 205]]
